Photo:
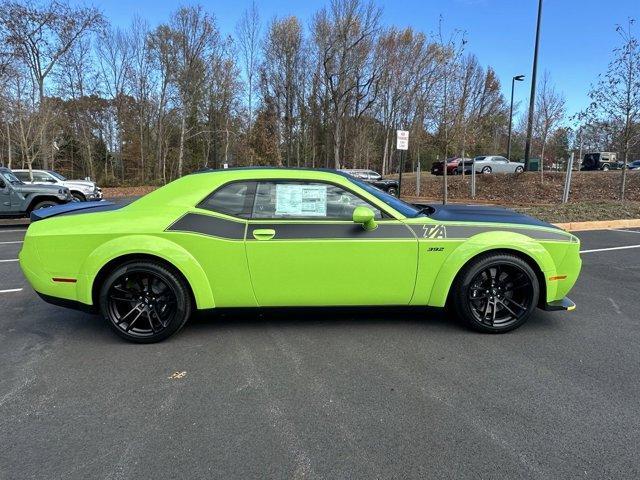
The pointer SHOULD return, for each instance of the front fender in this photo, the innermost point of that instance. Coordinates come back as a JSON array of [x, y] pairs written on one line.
[[150, 245], [486, 242]]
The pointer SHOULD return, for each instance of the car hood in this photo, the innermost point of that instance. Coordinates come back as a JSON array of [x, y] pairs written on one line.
[[26, 188], [481, 213], [80, 183], [385, 181]]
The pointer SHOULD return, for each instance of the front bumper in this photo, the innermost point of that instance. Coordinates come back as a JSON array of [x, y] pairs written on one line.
[[562, 304]]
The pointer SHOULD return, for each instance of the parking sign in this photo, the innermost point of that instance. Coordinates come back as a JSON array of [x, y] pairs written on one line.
[[402, 139]]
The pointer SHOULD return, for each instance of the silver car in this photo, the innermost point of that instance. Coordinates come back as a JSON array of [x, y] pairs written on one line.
[[81, 190], [492, 164]]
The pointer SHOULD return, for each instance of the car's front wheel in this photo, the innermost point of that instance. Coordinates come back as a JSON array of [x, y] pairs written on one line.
[[393, 191], [495, 293], [519, 169], [145, 301], [79, 196], [486, 170]]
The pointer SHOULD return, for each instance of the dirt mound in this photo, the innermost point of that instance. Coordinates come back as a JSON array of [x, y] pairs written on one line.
[[527, 188]]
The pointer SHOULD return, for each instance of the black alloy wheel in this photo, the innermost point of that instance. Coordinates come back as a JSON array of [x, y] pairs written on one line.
[[145, 302], [496, 293]]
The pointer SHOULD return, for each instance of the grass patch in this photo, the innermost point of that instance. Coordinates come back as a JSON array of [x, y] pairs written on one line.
[[582, 212]]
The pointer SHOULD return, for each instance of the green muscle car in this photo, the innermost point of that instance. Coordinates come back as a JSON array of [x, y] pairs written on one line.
[[272, 237]]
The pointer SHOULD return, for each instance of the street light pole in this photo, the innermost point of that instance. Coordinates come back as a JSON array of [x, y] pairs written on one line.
[[532, 98], [517, 78]]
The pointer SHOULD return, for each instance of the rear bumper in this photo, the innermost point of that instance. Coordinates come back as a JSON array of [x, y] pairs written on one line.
[[563, 304], [66, 303]]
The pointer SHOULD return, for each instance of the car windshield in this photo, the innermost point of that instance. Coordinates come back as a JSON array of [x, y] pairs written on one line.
[[11, 178], [404, 208], [57, 175]]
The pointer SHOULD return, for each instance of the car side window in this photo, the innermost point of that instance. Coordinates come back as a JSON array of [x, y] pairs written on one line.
[[309, 200], [234, 199], [24, 176]]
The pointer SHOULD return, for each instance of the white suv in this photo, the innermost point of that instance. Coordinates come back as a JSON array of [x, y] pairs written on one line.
[[81, 190]]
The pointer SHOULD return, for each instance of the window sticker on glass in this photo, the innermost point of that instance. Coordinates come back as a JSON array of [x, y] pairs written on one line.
[[301, 200]]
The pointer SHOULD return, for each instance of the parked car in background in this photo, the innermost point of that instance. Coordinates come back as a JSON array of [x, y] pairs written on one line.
[[601, 161], [81, 190], [492, 164], [374, 178], [17, 199], [635, 165], [452, 166]]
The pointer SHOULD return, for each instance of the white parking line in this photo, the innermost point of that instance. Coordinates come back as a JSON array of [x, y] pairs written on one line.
[[9, 260], [13, 231], [14, 241], [625, 231], [610, 248], [11, 290]]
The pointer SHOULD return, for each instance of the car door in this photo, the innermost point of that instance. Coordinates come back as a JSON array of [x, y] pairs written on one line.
[[5, 196], [501, 165], [303, 249]]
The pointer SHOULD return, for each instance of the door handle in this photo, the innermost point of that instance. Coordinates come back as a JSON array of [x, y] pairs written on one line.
[[264, 233]]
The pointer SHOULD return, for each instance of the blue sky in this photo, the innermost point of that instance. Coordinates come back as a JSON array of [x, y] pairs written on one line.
[[576, 41]]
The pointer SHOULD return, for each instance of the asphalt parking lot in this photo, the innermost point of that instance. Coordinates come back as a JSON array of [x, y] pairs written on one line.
[[327, 394]]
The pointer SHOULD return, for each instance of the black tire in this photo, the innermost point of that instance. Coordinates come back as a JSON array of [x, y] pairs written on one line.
[[486, 170], [145, 301], [45, 204], [455, 172], [519, 169], [495, 302], [79, 196], [392, 191], [605, 168]]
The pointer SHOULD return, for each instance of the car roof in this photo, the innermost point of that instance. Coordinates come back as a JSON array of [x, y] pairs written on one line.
[[288, 172]]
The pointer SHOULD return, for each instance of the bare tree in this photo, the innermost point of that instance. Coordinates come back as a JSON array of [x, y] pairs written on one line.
[[549, 113], [344, 36], [248, 34], [616, 97]]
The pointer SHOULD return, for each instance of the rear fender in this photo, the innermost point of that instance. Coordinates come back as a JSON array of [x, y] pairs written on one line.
[[159, 247], [486, 242]]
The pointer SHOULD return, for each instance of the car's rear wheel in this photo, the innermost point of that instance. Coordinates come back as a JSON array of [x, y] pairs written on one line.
[[495, 293], [605, 168], [145, 302]]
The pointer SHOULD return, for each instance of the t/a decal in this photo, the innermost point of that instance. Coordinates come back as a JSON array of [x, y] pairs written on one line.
[[434, 231]]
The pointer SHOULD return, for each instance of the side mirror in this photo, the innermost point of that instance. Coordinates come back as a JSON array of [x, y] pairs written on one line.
[[365, 217]]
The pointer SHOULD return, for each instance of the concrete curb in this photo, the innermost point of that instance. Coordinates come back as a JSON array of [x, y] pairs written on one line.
[[599, 225]]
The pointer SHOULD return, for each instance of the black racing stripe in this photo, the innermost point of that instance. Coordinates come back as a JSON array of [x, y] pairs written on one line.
[[467, 231], [209, 225], [347, 230]]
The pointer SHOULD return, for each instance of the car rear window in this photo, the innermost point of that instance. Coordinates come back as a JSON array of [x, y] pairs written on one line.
[[235, 199]]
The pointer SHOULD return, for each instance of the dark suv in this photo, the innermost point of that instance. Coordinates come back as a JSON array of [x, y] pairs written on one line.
[[601, 161], [374, 178], [17, 199]]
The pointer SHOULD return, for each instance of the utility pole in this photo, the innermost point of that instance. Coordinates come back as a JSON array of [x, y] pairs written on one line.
[[532, 98], [517, 78]]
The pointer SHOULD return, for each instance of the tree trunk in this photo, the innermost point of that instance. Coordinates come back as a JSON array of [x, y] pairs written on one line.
[[9, 155], [181, 149], [336, 145]]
